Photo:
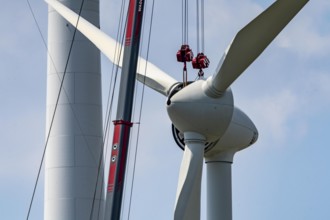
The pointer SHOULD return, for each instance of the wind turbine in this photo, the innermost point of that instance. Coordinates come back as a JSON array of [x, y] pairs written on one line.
[[203, 114]]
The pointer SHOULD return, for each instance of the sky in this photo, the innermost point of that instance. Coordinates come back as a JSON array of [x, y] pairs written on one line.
[[286, 92]]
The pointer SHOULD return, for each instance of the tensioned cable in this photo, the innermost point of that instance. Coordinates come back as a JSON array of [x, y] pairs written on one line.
[[197, 23], [115, 67], [141, 107], [140, 55], [200, 25], [56, 104], [36, 22], [62, 89], [107, 125], [133, 116], [184, 14], [133, 110], [182, 20], [38, 175], [53, 63], [186, 19]]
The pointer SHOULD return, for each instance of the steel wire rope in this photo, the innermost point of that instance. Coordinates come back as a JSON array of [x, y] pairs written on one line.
[[57, 73], [109, 109], [184, 22], [141, 107], [133, 117], [57, 99], [111, 92], [197, 24], [53, 63], [134, 106], [115, 67], [200, 26], [185, 46], [63, 89], [187, 20], [67, 95]]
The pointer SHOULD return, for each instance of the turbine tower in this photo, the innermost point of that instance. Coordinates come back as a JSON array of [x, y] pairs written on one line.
[[74, 118]]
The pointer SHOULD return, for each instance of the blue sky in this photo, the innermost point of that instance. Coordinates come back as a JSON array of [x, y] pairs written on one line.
[[286, 92]]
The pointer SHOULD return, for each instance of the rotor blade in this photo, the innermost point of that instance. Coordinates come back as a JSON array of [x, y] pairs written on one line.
[[147, 73], [251, 41], [187, 205]]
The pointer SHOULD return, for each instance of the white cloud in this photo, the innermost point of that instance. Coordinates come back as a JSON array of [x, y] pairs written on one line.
[[315, 92], [321, 83], [304, 40], [272, 112], [309, 33], [228, 19]]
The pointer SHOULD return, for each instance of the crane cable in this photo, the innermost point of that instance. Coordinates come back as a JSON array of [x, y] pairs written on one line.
[[184, 54], [200, 25], [57, 99], [113, 82], [200, 61], [203, 25], [141, 107], [63, 89], [185, 26], [107, 125], [185, 7]]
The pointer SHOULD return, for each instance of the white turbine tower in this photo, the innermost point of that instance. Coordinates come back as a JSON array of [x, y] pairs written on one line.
[[203, 113], [75, 142]]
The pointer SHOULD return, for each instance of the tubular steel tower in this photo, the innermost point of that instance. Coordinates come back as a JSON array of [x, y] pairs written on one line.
[[76, 136]]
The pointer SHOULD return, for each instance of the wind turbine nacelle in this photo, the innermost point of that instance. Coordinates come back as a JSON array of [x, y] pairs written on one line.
[[240, 134], [191, 110]]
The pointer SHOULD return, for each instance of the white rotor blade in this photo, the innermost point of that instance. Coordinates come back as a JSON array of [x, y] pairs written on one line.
[[147, 73], [251, 41], [187, 206]]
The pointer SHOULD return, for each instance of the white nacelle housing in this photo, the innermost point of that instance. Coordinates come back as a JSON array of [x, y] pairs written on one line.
[[240, 134]]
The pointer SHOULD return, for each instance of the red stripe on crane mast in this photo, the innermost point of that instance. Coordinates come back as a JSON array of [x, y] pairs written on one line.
[[115, 151], [129, 29]]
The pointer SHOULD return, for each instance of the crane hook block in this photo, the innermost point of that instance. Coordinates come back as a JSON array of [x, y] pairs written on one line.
[[184, 54], [200, 62]]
